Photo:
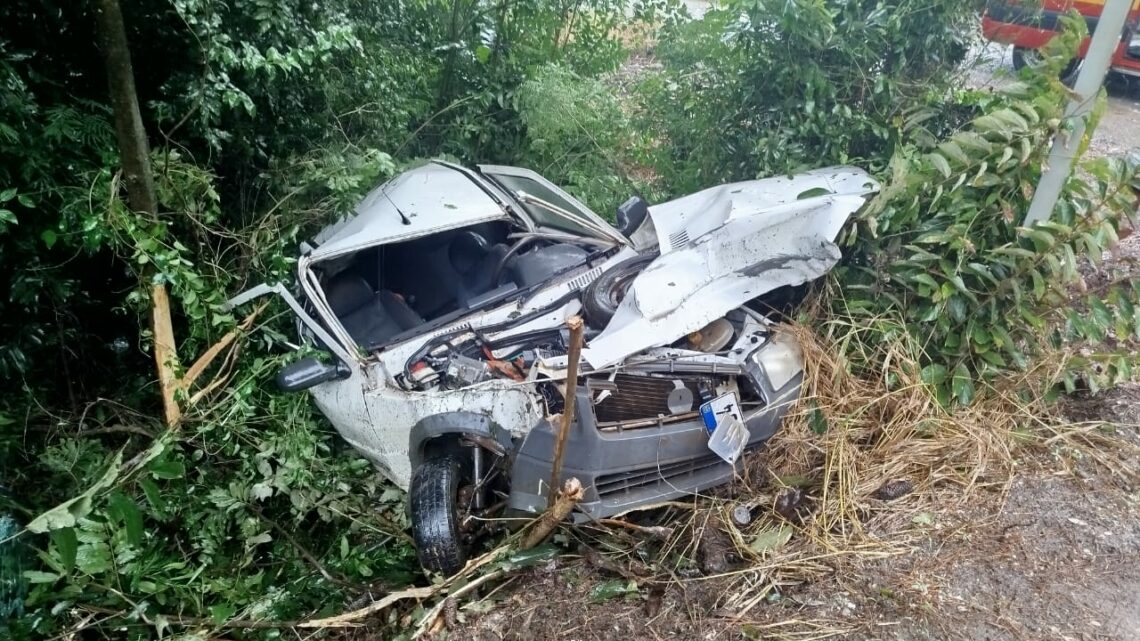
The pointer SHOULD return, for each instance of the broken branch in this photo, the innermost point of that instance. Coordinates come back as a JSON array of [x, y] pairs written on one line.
[[349, 619], [571, 494], [210, 354], [572, 357], [165, 354]]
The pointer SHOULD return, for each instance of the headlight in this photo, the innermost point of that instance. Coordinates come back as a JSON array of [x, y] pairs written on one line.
[[781, 359]]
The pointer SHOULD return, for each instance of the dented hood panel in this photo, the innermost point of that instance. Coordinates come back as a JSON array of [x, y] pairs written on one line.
[[725, 246]]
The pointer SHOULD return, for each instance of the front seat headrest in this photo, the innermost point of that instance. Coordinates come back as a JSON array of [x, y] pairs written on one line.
[[466, 250]]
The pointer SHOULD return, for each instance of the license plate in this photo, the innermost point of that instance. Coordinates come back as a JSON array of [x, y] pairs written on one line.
[[724, 421]]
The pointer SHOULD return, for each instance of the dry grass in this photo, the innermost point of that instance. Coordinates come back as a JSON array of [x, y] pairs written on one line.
[[870, 435]]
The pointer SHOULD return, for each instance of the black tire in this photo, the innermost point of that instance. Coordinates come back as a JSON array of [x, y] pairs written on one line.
[[1024, 57], [433, 499], [602, 297]]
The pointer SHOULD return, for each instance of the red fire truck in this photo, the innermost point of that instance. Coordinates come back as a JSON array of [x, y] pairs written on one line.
[[1029, 25]]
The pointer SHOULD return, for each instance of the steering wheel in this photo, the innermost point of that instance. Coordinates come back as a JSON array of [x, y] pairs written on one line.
[[500, 268]]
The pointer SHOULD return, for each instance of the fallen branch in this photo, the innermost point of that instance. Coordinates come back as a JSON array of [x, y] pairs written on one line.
[[655, 531], [349, 619], [571, 494], [210, 354], [427, 624]]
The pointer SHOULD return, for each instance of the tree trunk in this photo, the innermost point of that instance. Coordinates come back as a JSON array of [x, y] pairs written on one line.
[[134, 154]]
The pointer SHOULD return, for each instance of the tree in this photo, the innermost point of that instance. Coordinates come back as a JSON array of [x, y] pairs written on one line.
[[134, 153]]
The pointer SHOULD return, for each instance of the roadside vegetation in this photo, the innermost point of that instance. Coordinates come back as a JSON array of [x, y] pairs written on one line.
[[935, 349]]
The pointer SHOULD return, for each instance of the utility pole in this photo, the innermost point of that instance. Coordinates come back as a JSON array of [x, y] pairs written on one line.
[[1105, 40]]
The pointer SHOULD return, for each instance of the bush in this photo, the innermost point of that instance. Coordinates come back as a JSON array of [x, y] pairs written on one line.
[[793, 85], [579, 136]]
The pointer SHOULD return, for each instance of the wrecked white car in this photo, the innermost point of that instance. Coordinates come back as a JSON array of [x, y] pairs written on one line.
[[443, 303]]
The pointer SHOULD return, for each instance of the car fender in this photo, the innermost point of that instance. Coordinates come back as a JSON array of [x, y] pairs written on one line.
[[462, 423]]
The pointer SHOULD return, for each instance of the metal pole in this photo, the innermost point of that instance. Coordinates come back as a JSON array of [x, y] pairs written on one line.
[[1104, 43]]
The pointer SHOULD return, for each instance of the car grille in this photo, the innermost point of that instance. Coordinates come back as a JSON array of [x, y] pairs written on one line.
[[641, 397], [679, 474]]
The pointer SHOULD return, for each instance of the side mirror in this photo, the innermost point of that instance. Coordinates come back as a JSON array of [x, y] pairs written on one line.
[[310, 372], [631, 214]]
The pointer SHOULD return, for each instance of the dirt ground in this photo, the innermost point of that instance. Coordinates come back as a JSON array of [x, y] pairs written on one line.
[[1052, 554]]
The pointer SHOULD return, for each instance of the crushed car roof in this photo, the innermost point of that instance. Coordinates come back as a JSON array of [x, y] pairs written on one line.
[[421, 201]]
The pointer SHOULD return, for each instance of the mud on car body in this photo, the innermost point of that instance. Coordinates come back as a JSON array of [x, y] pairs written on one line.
[[443, 301]]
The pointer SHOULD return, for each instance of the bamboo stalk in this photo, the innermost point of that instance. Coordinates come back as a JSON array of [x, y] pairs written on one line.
[[573, 356]]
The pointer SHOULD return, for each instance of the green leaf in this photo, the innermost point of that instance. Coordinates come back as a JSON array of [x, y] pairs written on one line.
[[957, 308], [1042, 240], [816, 420], [153, 495], [66, 545], [814, 192], [613, 588], [963, 384], [534, 556], [168, 470], [991, 357], [49, 238], [771, 539], [925, 279], [8, 217], [483, 53], [934, 374], [36, 576], [1100, 312], [941, 164], [125, 510], [66, 514], [954, 152], [222, 612]]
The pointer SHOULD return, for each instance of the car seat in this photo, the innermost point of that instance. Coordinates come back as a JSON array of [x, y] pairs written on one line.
[[371, 318], [474, 259]]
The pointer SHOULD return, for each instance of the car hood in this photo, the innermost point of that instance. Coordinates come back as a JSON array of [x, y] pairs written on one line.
[[727, 245]]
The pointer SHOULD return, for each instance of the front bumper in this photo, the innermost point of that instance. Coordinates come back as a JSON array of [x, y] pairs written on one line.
[[635, 468]]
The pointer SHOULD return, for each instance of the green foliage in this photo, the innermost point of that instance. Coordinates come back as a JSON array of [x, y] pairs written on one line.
[[942, 251], [579, 136], [794, 85], [270, 119]]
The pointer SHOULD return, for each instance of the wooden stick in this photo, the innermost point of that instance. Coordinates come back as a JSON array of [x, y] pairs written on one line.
[[572, 357], [165, 354], [570, 495], [349, 619], [655, 531]]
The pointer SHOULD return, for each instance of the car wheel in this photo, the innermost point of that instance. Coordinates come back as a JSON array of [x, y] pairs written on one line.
[[433, 498], [602, 297], [1025, 57]]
